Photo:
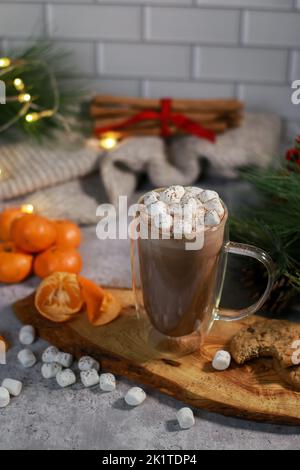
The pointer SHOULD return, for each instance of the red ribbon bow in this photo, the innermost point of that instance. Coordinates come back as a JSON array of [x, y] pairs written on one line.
[[165, 116]]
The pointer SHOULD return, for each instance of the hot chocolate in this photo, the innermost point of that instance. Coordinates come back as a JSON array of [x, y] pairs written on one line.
[[179, 284]]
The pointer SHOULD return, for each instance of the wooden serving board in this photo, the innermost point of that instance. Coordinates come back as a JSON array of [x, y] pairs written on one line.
[[253, 391]]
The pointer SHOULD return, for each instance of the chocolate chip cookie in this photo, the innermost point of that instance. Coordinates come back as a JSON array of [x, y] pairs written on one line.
[[290, 375], [270, 338]]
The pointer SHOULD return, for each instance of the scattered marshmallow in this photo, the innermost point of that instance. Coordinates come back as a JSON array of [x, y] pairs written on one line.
[[211, 218], [13, 386], [27, 335], [65, 359], [89, 377], [157, 208], [163, 221], [50, 370], [185, 418], [4, 397], [49, 355], [65, 378], [207, 195], [172, 194], [222, 360], [135, 396], [107, 382], [151, 198], [216, 205], [26, 358], [87, 363]]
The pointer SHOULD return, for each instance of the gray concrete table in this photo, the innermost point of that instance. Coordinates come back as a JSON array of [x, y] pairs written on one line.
[[46, 417]]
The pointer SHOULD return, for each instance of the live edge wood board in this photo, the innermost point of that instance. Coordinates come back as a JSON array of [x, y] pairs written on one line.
[[253, 391]]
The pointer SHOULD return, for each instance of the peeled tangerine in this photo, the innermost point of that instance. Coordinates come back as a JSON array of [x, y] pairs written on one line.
[[59, 297]]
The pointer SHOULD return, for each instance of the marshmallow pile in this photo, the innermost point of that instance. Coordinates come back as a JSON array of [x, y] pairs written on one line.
[[183, 211], [11, 387]]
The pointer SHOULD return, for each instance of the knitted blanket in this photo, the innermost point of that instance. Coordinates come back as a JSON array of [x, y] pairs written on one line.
[[52, 176], [254, 143], [28, 166]]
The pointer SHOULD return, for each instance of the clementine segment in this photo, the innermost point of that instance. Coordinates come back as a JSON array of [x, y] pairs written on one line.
[[33, 233], [101, 306], [14, 266], [7, 217], [68, 234], [57, 259], [109, 310], [58, 297]]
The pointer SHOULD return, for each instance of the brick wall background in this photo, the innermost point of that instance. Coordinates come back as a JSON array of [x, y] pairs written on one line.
[[189, 48]]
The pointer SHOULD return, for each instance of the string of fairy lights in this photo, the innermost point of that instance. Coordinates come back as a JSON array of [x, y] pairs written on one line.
[[30, 110]]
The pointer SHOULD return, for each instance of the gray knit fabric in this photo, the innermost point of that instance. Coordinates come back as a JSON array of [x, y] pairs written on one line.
[[50, 177], [254, 143], [29, 166]]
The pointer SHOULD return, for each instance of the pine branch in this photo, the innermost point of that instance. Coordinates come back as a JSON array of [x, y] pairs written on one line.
[[274, 223]]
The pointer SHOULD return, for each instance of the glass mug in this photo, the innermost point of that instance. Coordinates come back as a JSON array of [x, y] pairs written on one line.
[[179, 290]]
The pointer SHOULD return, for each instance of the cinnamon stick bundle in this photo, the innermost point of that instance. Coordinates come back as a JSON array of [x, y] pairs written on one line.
[[216, 115]]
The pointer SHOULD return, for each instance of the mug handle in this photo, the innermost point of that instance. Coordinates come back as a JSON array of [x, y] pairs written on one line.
[[254, 252]]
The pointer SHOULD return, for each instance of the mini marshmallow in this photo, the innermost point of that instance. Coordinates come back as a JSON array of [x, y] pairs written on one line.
[[4, 397], [211, 218], [89, 377], [157, 208], [65, 378], [49, 355], [192, 205], [151, 198], [207, 195], [13, 386], [222, 360], [107, 382], [26, 358], [182, 227], [194, 190], [135, 396], [216, 205], [50, 370], [172, 194], [87, 363], [191, 193], [27, 335], [65, 359], [185, 418], [175, 209], [163, 221]]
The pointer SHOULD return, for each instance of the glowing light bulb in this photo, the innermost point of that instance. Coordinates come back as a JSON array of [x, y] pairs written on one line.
[[5, 62], [24, 98], [18, 83], [32, 117], [108, 142], [27, 208]]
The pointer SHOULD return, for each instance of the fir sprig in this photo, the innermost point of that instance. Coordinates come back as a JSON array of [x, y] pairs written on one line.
[[273, 223]]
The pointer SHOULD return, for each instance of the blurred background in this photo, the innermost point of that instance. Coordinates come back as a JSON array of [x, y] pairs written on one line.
[[243, 55], [249, 49]]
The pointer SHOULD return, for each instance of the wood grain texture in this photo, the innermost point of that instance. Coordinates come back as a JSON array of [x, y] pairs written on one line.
[[253, 391]]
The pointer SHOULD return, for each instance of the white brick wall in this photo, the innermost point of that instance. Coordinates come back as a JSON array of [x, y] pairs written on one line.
[[206, 48]]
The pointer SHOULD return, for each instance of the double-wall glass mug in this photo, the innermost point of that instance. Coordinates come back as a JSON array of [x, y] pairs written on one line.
[[179, 289]]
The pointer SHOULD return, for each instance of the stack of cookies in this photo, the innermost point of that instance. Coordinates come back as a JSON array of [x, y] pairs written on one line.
[[278, 339]]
